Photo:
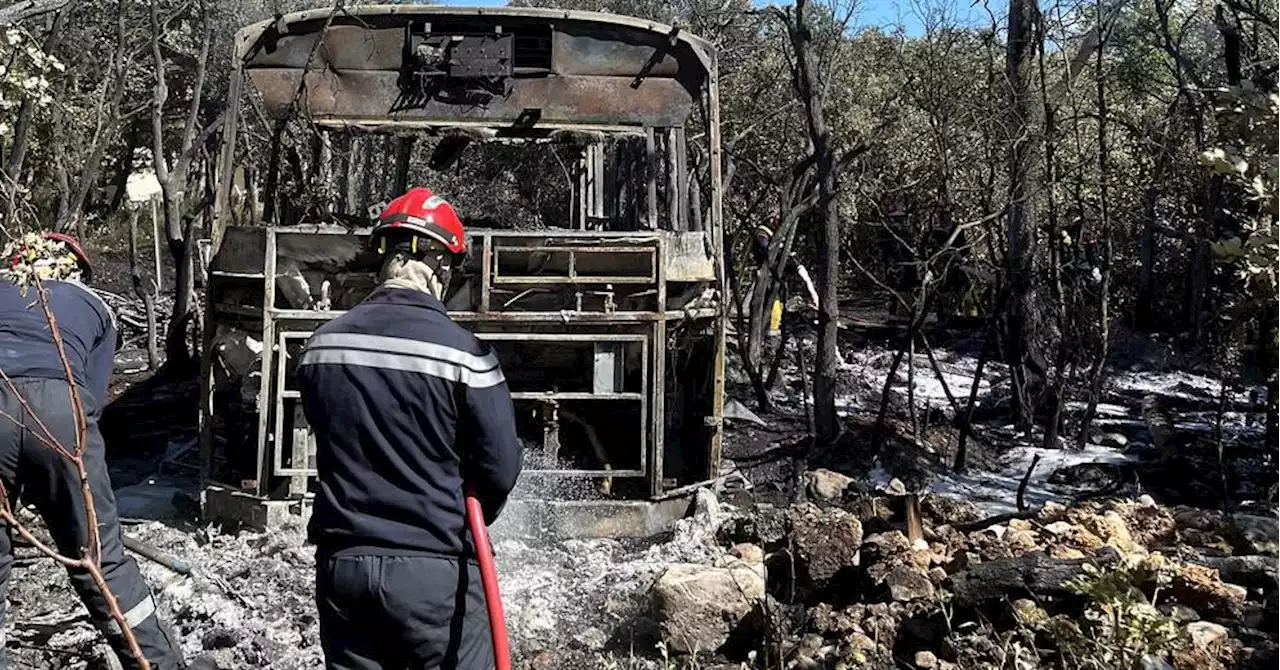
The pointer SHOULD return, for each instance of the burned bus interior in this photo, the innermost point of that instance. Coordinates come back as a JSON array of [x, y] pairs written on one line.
[[581, 151]]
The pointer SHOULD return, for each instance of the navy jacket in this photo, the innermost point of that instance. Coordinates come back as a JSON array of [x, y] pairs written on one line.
[[407, 407], [88, 328]]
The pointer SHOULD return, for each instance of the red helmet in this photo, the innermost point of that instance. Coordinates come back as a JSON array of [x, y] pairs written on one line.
[[421, 213], [74, 245]]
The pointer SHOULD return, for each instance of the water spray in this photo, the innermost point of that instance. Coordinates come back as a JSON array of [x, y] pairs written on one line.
[[489, 579]]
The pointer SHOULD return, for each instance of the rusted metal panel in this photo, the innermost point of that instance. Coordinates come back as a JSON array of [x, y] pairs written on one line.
[[345, 47], [573, 50], [285, 40], [357, 95], [611, 52]]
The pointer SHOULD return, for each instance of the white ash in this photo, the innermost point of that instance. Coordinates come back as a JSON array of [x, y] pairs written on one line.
[[249, 601]]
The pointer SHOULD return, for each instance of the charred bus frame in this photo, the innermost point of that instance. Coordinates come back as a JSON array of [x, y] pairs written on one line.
[[633, 281]]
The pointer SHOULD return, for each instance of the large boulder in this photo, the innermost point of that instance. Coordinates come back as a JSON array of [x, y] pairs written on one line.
[[1201, 588], [827, 485], [1111, 529], [826, 543], [907, 583], [697, 607]]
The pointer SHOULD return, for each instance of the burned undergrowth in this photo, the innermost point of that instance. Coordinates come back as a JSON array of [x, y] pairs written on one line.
[[812, 559]]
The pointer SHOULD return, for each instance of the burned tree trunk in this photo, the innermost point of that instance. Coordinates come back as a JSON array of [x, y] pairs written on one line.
[[145, 294], [810, 92], [174, 178], [1023, 320]]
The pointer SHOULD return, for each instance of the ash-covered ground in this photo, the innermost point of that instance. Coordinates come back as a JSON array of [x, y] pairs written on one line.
[[587, 603]]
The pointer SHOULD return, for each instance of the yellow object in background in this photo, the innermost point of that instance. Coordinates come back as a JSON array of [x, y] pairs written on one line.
[[775, 317]]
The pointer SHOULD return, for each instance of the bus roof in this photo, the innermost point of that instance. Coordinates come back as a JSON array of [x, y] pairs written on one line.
[[505, 66]]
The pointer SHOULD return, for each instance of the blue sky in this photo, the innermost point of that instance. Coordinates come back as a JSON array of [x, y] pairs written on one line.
[[871, 12]]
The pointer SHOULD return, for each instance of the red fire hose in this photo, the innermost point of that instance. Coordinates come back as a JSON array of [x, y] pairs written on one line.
[[489, 578]]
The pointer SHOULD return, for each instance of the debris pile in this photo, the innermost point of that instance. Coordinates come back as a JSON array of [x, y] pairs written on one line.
[[851, 580]]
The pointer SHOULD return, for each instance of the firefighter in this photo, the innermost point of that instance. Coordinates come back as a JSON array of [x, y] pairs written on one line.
[[408, 409], [41, 476], [761, 238]]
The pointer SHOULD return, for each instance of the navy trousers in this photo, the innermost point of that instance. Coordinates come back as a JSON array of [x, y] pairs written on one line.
[[50, 483], [385, 611]]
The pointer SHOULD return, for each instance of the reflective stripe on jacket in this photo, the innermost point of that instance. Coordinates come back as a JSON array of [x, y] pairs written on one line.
[[406, 406]]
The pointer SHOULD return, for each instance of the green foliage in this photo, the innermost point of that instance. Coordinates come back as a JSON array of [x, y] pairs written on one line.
[[1249, 162], [1121, 624]]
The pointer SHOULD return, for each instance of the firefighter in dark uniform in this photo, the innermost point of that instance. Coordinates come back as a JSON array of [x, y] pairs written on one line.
[[408, 409], [46, 479], [762, 236]]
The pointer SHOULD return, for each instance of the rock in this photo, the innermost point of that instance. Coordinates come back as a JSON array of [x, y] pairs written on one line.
[[1145, 500], [219, 638], [1029, 614], [1021, 540], [1201, 589], [1205, 634], [1078, 537], [1111, 529], [736, 411], [906, 585], [1113, 440], [732, 561], [965, 560], [883, 546], [748, 553], [937, 576], [944, 510], [544, 659], [1151, 526], [592, 639], [827, 485], [1020, 524], [1199, 519], [1059, 528], [826, 543], [1179, 613], [1052, 511], [1195, 658], [825, 619], [926, 659], [1253, 571], [765, 526], [861, 642], [1089, 476], [895, 487], [1256, 534], [1065, 552], [698, 606]]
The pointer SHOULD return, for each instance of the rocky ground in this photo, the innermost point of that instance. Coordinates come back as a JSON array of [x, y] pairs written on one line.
[[1120, 555]]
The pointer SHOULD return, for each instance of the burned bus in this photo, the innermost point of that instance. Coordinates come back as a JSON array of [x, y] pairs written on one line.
[[582, 151]]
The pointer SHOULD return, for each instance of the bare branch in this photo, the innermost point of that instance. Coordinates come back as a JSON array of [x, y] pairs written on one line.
[[29, 9]]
